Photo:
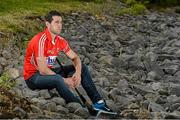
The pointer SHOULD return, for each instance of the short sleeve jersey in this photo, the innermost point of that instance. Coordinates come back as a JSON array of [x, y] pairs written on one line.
[[42, 45]]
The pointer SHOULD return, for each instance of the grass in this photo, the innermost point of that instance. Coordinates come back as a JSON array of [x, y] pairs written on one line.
[[13, 12], [135, 9], [5, 81]]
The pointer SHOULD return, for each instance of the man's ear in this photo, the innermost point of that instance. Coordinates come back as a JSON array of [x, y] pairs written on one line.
[[47, 23]]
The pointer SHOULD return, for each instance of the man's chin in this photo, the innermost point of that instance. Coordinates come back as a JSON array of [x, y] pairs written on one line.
[[57, 33]]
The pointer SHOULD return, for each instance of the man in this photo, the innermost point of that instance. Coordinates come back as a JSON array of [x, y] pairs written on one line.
[[40, 57]]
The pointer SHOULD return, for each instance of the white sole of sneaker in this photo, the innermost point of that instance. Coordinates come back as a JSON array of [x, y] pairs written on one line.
[[105, 112]]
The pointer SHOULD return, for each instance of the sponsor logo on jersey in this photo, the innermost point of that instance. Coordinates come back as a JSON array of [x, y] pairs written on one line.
[[51, 60]]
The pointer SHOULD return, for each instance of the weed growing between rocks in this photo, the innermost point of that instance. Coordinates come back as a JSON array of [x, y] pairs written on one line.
[[6, 82], [133, 8]]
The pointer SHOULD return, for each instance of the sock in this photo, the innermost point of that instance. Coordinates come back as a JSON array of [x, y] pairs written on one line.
[[100, 101]]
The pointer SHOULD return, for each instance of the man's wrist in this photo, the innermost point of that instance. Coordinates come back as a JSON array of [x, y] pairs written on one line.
[[78, 74]]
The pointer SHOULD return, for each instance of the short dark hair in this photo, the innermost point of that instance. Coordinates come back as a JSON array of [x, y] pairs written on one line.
[[52, 13]]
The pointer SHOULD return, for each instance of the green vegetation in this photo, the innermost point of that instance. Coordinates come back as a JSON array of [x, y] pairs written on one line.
[[163, 2], [6, 82], [160, 3], [39, 6], [133, 8], [154, 3], [13, 12]]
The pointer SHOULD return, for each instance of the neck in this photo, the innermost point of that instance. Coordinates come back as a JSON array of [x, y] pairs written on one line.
[[53, 36]]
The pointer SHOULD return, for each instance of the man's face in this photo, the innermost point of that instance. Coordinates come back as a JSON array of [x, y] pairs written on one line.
[[56, 25]]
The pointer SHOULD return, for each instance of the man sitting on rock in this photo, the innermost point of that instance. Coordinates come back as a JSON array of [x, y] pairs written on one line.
[[40, 57]]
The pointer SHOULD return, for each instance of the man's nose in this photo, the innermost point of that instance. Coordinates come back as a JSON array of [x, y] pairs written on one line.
[[59, 25]]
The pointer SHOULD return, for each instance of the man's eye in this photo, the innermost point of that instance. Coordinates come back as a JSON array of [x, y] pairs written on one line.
[[58, 22]]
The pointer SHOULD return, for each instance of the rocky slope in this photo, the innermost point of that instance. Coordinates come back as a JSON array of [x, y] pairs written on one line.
[[134, 62]]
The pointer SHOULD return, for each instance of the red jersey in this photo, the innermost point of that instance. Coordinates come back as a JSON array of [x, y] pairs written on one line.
[[42, 45]]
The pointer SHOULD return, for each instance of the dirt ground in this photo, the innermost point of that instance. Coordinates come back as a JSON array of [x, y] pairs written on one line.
[[9, 101]]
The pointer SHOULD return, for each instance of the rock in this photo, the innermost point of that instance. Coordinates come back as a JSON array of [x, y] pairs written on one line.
[[113, 93], [117, 44], [102, 92], [20, 83], [152, 56], [176, 77], [142, 89], [103, 82], [45, 94], [123, 101], [154, 107], [177, 44], [20, 112], [172, 69], [122, 84], [162, 57], [158, 115], [82, 112], [29, 93], [59, 101], [112, 105], [3, 61], [36, 109], [174, 115], [13, 73], [1, 69], [152, 17], [174, 107], [73, 116], [53, 93], [153, 76], [173, 99], [175, 89], [73, 106], [106, 60], [54, 115], [40, 102], [152, 97], [6, 54], [86, 61], [50, 106], [17, 91], [62, 110], [38, 116], [156, 86]]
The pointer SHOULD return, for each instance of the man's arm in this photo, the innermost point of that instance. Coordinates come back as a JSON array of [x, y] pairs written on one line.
[[77, 64], [75, 59], [42, 66]]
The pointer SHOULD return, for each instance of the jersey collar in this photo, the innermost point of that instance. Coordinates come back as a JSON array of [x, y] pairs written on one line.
[[48, 34]]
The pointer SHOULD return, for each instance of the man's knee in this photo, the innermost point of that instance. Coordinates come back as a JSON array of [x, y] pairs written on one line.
[[59, 79]]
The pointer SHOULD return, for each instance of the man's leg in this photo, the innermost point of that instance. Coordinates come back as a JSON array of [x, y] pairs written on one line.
[[86, 82], [89, 85], [53, 81]]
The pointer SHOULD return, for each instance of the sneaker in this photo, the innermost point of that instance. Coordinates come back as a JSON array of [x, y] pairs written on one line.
[[103, 108]]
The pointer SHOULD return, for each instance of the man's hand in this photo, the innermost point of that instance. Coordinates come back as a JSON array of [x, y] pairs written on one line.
[[69, 82], [76, 79]]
